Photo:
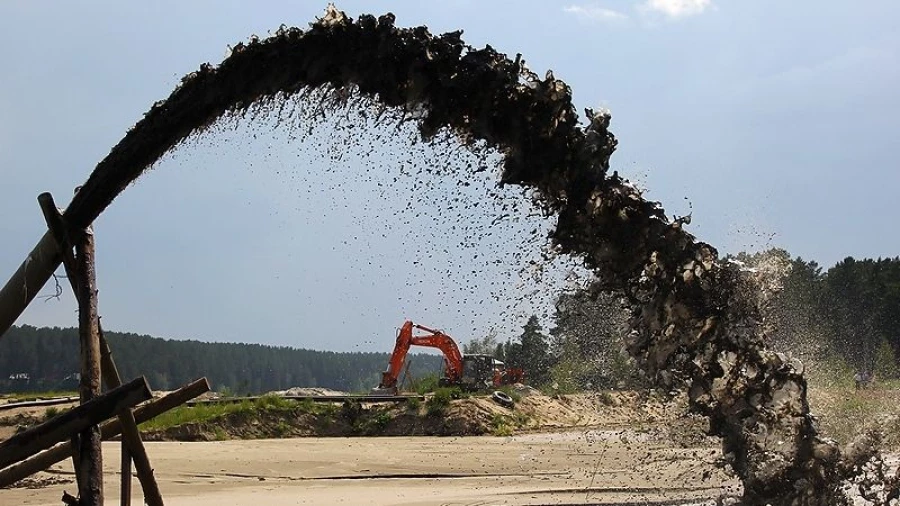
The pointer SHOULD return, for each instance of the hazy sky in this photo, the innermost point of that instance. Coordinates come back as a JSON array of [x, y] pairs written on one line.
[[774, 122]]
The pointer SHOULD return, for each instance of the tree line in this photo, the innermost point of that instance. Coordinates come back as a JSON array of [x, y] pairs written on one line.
[[42, 359], [846, 317], [839, 320], [849, 313]]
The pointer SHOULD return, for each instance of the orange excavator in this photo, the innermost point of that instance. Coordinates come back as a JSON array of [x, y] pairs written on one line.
[[470, 372]]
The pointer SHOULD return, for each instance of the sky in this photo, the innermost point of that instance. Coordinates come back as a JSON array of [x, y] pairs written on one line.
[[774, 123]]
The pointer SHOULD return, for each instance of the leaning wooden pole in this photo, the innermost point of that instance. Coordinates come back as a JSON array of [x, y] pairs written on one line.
[[90, 482], [132, 447], [61, 427], [29, 278]]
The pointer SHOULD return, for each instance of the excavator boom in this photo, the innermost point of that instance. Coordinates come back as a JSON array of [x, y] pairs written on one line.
[[432, 339]]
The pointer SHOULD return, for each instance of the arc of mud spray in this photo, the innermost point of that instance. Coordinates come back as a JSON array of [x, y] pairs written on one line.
[[694, 324]]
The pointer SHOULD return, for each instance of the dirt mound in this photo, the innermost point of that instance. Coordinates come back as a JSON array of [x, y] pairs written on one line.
[[308, 391], [477, 415], [538, 412], [14, 423], [321, 420]]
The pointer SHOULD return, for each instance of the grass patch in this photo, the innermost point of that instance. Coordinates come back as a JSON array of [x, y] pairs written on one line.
[[437, 404], [413, 404], [852, 412], [506, 425], [51, 412], [328, 409], [202, 413], [32, 396], [195, 414], [282, 429], [366, 421], [501, 425], [275, 402], [380, 420], [425, 384]]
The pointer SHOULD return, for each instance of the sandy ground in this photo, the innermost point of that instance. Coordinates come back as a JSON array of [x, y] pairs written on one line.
[[588, 467], [9, 417]]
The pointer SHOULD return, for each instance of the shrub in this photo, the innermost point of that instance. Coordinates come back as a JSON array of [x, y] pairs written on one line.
[[351, 411], [381, 420], [282, 429], [503, 431], [425, 384], [438, 403], [501, 425], [275, 402], [51, 412]]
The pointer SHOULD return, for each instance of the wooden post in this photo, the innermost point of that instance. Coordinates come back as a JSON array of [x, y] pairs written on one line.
[[62, 427], [76, 457], [90, 482], [131, 437], [108, 430], [112, 379], [125, 471], [132, 446]]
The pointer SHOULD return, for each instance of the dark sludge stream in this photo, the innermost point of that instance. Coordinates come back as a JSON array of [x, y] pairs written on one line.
[[696, 321]]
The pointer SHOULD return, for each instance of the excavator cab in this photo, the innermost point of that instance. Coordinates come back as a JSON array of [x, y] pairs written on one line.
[[478, 372]]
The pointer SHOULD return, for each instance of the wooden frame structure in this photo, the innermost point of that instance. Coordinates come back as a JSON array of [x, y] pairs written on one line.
[[78, 433]]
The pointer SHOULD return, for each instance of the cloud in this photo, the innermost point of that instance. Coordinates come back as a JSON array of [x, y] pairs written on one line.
[[676, 8], [595, 13]]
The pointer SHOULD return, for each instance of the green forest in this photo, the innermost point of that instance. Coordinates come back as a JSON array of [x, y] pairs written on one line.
[[42, 359]]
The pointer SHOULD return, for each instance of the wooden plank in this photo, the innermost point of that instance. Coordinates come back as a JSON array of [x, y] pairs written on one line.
[[62, 427], [108, 430]]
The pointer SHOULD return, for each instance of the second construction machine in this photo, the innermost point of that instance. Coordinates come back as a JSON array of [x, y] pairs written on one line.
[[469, 372]]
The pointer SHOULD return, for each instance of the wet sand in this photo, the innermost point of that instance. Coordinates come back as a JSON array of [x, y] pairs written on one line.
[[588, 467]]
